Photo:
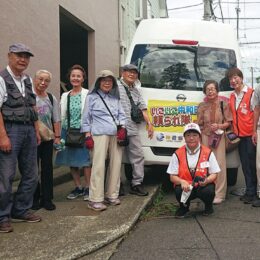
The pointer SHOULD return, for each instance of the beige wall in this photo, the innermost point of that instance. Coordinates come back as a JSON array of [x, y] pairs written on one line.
[[36, 23]]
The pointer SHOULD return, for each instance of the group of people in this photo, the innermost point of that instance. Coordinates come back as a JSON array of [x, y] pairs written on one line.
[[32, 122], [198, 169]]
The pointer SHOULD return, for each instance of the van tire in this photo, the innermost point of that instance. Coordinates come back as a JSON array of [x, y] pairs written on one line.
[[232, 176], [128, 171]]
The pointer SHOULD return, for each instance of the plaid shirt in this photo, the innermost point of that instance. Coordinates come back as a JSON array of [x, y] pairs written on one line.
[[132, 127]]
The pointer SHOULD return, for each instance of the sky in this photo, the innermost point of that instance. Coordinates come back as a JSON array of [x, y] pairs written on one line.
[[249, 29]]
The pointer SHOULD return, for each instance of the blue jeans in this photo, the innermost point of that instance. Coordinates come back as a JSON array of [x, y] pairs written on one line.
[[24, 151], [247, 154]]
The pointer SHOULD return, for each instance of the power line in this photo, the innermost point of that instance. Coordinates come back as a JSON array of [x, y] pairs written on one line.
[[183, 7], [240, 18], [236, 3], [250, 28], [249, 43]]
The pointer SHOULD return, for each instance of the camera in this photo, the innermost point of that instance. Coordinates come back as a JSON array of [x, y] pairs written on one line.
[[231, 136], [198, 179]]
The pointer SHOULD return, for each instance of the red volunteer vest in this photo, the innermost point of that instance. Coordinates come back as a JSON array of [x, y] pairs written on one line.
[[243, 118], [200, 170]]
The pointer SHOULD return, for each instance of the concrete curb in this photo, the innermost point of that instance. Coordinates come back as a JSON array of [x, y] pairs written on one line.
[[72, 230], [125, 227]]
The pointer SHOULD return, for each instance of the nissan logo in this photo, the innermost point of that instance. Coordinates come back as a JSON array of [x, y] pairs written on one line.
[[181, 97]]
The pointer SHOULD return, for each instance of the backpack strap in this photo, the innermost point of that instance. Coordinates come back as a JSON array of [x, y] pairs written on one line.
[[50, 97]]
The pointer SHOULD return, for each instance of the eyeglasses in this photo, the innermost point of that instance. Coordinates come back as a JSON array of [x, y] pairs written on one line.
[[44, 80], [132, 72], [106, 80], [210, 90]]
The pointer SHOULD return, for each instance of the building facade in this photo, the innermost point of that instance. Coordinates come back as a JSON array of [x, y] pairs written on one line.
[[94, 34], [131, 12]]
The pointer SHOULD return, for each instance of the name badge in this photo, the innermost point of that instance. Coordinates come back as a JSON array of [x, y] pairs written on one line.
[[204, 165], [244, 111]]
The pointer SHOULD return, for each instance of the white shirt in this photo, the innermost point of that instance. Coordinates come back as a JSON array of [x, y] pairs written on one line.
[[19, 81], [173, 167], [240, 96]]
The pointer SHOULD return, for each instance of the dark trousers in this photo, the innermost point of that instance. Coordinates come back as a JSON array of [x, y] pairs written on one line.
[[206, 194], [247, 154], [24, 151], [44, 191]]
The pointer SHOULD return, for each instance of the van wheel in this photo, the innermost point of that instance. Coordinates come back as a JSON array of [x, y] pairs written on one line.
[[232, 176], [128, 171]]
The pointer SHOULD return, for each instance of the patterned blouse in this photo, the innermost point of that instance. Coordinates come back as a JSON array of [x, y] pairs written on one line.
[[75, 112], [211, 112]]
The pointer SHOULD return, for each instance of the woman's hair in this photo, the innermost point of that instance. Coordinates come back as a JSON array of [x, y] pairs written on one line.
[[37, 74], [234, 72], [207, 82], [77, 67]]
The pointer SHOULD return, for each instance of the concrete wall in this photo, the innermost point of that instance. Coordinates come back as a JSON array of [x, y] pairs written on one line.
[[36, 23]]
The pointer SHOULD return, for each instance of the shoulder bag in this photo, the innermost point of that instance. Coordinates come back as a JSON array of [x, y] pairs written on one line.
[[232, 140], [45, 132], [124, 142], [136, 112], [214, 137]]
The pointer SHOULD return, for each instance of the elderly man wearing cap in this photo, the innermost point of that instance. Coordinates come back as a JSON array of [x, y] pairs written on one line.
[[19, 137], [193, 169], [130, 94]]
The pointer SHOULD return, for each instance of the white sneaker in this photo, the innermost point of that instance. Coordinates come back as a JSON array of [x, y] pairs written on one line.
[[217, 201], [97, 206], [113, 202]]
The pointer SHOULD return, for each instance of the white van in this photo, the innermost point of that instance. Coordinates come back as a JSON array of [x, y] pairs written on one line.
[[175, 57]]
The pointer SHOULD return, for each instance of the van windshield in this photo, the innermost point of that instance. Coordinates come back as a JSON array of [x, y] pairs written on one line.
[[182, 67]]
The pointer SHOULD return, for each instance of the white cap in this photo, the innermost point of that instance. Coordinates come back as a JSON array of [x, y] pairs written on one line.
[[191, 127]]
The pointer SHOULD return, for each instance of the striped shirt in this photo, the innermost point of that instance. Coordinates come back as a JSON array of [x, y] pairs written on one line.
[[132, 127]]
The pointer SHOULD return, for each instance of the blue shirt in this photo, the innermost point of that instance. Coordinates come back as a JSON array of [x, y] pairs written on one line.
[[96, 118]]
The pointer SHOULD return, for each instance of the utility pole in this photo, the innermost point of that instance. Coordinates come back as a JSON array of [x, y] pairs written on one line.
[[237, 11], [207, 10], [252, 76]]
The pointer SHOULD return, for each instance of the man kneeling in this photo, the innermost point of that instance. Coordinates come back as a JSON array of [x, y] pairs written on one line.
[[193, 169]]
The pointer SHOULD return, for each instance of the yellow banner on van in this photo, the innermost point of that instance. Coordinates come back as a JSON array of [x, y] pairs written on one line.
[[171, 116]]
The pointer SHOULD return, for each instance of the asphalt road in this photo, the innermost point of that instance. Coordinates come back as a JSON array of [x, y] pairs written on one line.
[[233, 232]]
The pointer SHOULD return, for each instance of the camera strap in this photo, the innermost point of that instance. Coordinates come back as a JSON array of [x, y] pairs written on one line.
[[222, 110], [107, 108], [128, 93]]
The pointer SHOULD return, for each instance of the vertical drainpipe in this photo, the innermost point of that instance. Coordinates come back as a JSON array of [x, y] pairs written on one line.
[[144, 4], [119, 33]]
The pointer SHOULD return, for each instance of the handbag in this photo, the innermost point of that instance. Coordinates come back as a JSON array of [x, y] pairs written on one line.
[[136, 112], [124, 142], [45, 132], [74, 138], [232, 140], [214, 140]]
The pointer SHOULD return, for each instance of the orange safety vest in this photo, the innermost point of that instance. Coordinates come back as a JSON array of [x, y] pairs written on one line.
[[243, 117], [200, 170]]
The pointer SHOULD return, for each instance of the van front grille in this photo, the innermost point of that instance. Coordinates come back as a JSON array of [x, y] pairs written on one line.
[[163, 151]]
